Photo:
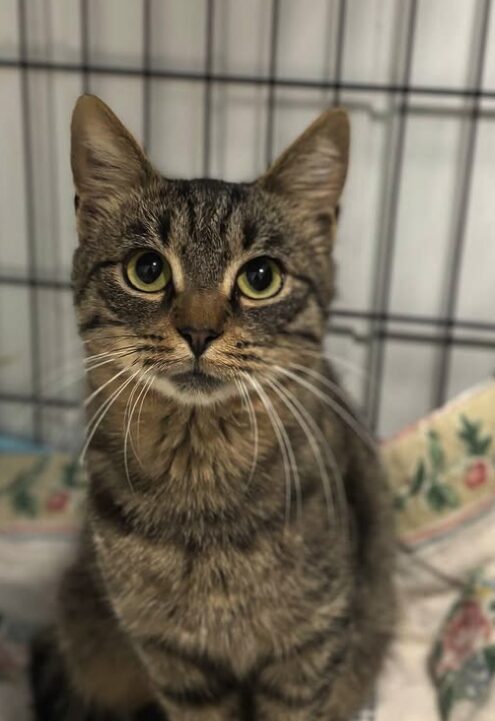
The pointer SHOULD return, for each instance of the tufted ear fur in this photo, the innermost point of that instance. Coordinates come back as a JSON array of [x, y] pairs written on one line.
[[312, 171], [106, 160]]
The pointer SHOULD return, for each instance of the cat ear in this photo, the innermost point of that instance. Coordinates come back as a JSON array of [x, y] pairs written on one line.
[[311, 172], [106, 160]]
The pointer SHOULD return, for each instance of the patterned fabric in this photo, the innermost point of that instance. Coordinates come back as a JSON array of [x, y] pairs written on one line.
[[443, 468], [462, 664], [442, 472], [40, 491]]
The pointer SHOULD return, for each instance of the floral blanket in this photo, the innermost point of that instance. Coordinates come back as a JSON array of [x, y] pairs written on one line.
[[442, 471]]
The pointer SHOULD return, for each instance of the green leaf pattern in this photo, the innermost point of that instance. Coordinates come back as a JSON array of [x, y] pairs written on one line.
[[23, 491], [429, 479]]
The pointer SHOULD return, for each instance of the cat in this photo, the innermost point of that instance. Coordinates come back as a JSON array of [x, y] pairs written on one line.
[[237, 555]]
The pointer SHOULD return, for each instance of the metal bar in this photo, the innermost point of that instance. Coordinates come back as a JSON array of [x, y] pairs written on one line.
[[272, 81], [147, 12], [35, 282], [234, 79], [421, 338], [386, 249], [34, 321], [339, 51], [208, 65], [456, 323], [6, 397], [413, 319], [461, 210], [84, 68]]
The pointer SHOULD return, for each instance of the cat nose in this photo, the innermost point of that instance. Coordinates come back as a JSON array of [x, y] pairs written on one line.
[[199, 316], [198, 338]]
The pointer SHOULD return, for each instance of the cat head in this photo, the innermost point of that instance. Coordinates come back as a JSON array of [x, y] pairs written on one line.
[[201, 284]]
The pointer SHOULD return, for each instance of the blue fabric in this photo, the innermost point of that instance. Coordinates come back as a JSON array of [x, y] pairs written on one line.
[[10, 444]]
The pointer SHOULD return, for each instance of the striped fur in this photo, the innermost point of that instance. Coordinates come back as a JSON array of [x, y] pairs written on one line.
[[207, 587]]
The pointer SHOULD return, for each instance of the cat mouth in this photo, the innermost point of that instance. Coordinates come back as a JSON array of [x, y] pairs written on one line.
[[196, 380]]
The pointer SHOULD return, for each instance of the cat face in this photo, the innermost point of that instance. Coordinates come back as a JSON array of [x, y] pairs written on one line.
[[199, 284]]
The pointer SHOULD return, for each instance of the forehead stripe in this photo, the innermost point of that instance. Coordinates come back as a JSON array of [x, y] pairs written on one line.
[[164, 224], [250, 233]]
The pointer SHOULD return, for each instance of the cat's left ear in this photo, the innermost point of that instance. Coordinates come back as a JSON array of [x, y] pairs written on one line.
[[312, 171], [106, 160]]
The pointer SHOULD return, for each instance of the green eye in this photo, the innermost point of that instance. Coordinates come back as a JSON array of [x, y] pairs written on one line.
[[148, 271], [260, 278]]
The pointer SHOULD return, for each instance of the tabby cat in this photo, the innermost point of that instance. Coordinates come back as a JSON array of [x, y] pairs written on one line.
[[237, 551]]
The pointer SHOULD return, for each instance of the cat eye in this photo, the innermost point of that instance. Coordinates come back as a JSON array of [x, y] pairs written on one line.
[[148, 271], [260, 278]]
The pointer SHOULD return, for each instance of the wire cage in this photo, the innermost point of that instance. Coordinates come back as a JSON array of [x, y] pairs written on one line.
[[218, 88]]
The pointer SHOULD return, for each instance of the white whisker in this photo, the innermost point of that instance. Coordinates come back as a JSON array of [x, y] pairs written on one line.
[[93, 395], [253, 422], [115, 356], [283, 450], [107, 354], [138, 424], [289, 453], [129, 409], [312, 430], [343, 413], [129, 431], [337, 360], [98, 416], [331, 385], [331, 357]]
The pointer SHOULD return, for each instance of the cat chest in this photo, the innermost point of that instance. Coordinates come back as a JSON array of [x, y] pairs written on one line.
[[215, 600]]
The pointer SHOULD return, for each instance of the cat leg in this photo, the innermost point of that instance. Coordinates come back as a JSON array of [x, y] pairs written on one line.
[[297, 687], [85, 668], [187, 709], [189, 686], [55, 699]]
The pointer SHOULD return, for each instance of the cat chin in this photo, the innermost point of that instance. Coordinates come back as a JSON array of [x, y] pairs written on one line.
[[194, 396]]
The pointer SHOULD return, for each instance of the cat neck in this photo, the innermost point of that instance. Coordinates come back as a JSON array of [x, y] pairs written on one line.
[[195, 454]]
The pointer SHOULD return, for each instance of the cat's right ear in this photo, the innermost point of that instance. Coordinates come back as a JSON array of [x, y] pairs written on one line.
[[311, 172], [106, 160]]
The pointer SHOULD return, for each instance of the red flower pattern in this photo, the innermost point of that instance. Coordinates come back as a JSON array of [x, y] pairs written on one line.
[[477, 475], [466, 632], [57, 501]]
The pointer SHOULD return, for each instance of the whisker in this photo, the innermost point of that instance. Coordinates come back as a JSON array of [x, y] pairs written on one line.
[[314, 446], [331, 385], [93, 395], [292, 459], [343, 413], [320, 353], [138, 424], [101, 412], [281, 445], [140, 395], [116, 352], [103, 354], [65, 376], [253, 422], [285, 444], [111, 359], [311, 430], [337, 360], [129, 410]]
